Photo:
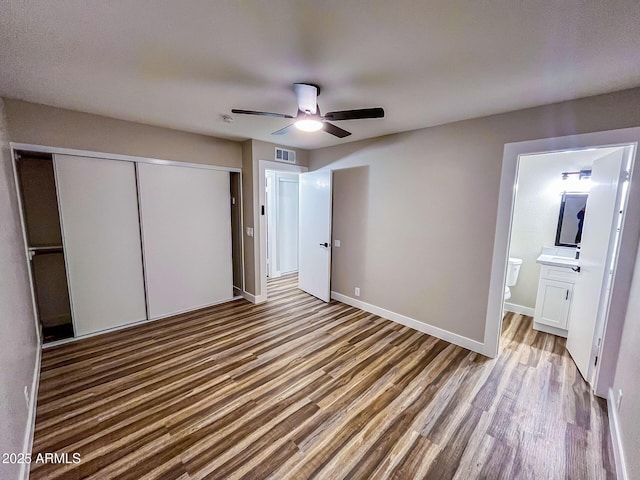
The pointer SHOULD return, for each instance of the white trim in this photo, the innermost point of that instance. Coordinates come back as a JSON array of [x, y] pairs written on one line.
[[116, 156], [515, 308], [259, 200], [616, 438], [134, 324], [541, 327], [255, 299], [27, 446], [34, 305], [628, 243], [446, 335]]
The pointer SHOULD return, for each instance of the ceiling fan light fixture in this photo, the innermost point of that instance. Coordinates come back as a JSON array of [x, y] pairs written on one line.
[[308, 124]]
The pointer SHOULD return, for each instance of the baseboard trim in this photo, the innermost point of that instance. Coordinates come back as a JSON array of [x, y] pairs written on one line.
[[440, 333], [31, 416], [616, 440], [549, 329], [515, 308], [254, 298]]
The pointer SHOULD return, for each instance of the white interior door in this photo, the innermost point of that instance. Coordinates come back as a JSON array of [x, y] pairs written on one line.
[[99, 210], [314, 267], [186, 229], [600, 223]]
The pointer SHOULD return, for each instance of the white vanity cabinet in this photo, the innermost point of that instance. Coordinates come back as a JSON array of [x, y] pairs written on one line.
[[553, 303]]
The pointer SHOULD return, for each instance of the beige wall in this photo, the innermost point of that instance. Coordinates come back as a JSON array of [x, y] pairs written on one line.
[[423, 247], [252, 152], [627, 379], [267, 151], [56, 127], [18, 340]]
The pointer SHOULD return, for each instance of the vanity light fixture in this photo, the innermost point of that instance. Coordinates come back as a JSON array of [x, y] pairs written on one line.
[[582, 174]]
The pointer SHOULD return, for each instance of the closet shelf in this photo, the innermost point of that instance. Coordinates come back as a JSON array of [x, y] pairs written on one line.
[[52, 249]]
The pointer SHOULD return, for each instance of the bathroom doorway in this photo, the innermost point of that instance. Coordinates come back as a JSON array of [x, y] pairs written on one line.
[[543, 181]]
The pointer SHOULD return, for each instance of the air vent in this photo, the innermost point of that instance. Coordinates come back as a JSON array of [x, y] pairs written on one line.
[[283, 155]]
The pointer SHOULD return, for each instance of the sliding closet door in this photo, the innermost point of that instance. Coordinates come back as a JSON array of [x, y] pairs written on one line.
[[186, 228], [101, 230]]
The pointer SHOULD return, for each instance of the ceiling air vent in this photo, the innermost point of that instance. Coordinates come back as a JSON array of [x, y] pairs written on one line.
[[283, 155]]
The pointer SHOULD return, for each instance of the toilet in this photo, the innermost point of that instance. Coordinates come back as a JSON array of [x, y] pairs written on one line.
[[513, 269]]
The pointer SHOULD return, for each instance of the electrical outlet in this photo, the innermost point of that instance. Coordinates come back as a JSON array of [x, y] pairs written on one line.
[[336, 243], [26, 395], [619, 399], [357, 291]]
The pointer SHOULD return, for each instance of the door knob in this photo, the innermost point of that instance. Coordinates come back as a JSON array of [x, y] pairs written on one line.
[[576, 269], [325, 244]]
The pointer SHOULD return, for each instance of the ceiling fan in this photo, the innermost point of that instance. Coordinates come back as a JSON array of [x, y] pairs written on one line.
[[308, 118]]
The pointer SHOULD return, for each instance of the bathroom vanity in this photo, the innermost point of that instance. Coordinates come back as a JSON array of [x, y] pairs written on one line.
[[558, 275]]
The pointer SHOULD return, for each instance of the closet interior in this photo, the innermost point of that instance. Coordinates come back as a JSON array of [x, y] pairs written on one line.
[[44, 241]]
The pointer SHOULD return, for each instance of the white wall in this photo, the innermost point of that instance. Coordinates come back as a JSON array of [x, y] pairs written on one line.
[[627, 379], [536, 209], [18, 339]]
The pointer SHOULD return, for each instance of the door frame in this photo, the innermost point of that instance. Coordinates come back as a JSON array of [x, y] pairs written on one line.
[[263, 166], [628, 241]]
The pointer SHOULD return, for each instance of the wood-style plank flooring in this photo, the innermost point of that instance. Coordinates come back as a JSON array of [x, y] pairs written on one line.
[[295, 388]]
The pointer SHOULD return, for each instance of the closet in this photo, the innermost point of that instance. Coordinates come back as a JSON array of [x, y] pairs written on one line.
[[36, 180], [116, 242]]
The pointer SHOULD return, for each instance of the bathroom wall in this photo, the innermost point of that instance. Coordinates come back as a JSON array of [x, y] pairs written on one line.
[[536, 209]]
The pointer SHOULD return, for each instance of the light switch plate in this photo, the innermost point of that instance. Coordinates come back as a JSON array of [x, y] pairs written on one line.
[[336, 243], [357, 292]]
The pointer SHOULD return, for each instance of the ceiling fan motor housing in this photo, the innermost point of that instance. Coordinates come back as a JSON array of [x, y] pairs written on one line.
[[307, 96]]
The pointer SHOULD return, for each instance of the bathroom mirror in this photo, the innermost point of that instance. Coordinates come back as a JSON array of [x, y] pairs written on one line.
[[571, 219]]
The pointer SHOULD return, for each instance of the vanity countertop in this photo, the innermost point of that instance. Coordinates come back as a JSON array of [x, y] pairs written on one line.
[[557, 261]]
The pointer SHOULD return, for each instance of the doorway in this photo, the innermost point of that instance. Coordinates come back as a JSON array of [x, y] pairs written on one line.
[[235, 184], [281, 209], [621, 242], [43, 235], [564, 229], [278, 195]]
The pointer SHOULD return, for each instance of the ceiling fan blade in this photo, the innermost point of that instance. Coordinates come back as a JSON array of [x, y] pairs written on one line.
[[335, 131], [282, 131], [263, 114], [355, 114]]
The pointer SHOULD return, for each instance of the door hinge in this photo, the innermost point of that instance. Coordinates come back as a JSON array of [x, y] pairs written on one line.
[[595, 364]]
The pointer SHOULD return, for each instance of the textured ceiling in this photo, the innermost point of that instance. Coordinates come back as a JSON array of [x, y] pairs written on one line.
[[183, 64]]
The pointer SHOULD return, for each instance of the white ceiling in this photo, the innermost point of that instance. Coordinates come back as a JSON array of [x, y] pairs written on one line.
[[183, 64]]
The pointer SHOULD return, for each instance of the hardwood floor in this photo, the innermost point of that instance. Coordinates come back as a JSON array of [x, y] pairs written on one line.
[[295, 388]]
